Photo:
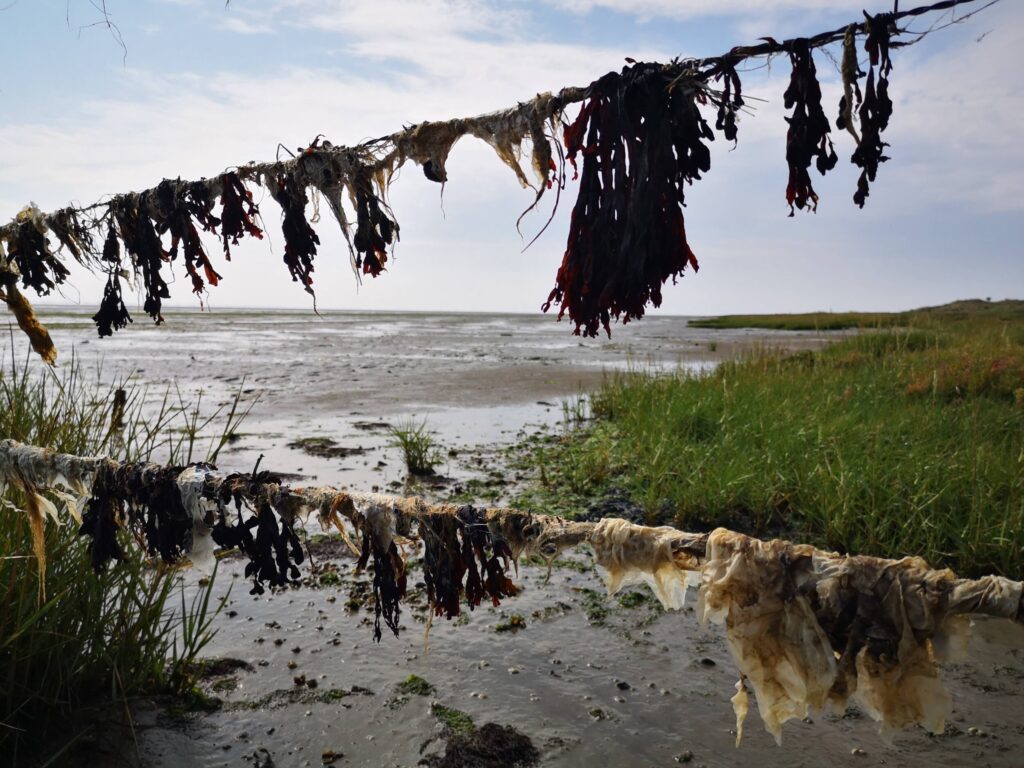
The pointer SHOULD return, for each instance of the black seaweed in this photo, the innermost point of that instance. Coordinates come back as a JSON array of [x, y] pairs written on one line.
[[807, 139], [641, 142]]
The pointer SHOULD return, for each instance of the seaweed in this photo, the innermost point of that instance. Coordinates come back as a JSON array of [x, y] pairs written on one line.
[[29, 249], [492, 554], [375, 230], [876, 108], [389, 581], [732, 97], [807, 139], [275, 552], [641, 142], [238, 212], [300, 239], [112, 314], [73, 233], [143, 245], [444, 565], [179, 206], [100, 521]]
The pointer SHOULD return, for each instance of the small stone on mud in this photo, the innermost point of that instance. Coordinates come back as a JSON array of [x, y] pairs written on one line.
[[858, 752], [622, 685], [296, 649], [292, 665], [329, 757], [684, 757]]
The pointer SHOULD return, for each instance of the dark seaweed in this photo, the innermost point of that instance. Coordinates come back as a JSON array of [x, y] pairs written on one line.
[[641, 142], [238, 212], [29, 249], [179, 206], [300, 239], [443, 562], [143, 245], [99, 521], [375, 230], [807, 139], [876, 108], [389, 582]]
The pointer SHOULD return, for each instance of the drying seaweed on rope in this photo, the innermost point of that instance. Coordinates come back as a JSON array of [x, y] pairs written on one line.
[[144, 248], [375, 230], [300, 239], [807, 139], [806, 627], [639, 139], [112, 314], [178, 206], [28, 250], [238, 212], [642, 140], [876, 106]]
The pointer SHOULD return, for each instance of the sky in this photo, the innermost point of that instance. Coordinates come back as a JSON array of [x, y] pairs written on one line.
[[200, 87]]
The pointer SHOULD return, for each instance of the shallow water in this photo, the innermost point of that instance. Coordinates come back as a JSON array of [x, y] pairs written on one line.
[[477, 379]]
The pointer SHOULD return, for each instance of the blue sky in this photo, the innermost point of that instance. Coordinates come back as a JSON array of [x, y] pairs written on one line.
[[203, 88]]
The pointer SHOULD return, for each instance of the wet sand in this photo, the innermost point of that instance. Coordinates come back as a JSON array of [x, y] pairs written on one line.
[[590, 682]]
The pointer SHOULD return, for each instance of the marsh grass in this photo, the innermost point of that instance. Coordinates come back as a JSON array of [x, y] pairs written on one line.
[[890, 442], [419, 446], [95, 641]]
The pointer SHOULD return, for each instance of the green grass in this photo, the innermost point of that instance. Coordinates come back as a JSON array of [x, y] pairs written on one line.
[[95, 641], [890, 442], [418, 445], [1009, 310]]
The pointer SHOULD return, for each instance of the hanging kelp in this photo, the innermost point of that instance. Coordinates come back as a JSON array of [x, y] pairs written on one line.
[[177, 207], [112, 314], [807, 628], [375, 229], [300, 239], [807, 139], [28, 250], [74, 234], [876, 107], [641, 143], [238, 212], [850, 72], [377, 528], [144, 248]]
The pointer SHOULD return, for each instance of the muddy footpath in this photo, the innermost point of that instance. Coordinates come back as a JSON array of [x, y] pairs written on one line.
[[556, 676]]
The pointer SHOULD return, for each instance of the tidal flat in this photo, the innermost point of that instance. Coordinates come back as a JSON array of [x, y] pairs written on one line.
[[586, 679]]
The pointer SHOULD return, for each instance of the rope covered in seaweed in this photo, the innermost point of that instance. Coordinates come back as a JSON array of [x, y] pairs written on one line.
[[640, 135], [848, 626]]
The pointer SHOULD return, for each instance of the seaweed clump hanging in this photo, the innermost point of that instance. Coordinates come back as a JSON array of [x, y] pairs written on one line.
[[642, 139], [807, 139], [876, 107]]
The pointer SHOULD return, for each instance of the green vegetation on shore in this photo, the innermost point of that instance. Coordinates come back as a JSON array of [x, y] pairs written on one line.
[[1008, 311], [890, 442], [70, 662]]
